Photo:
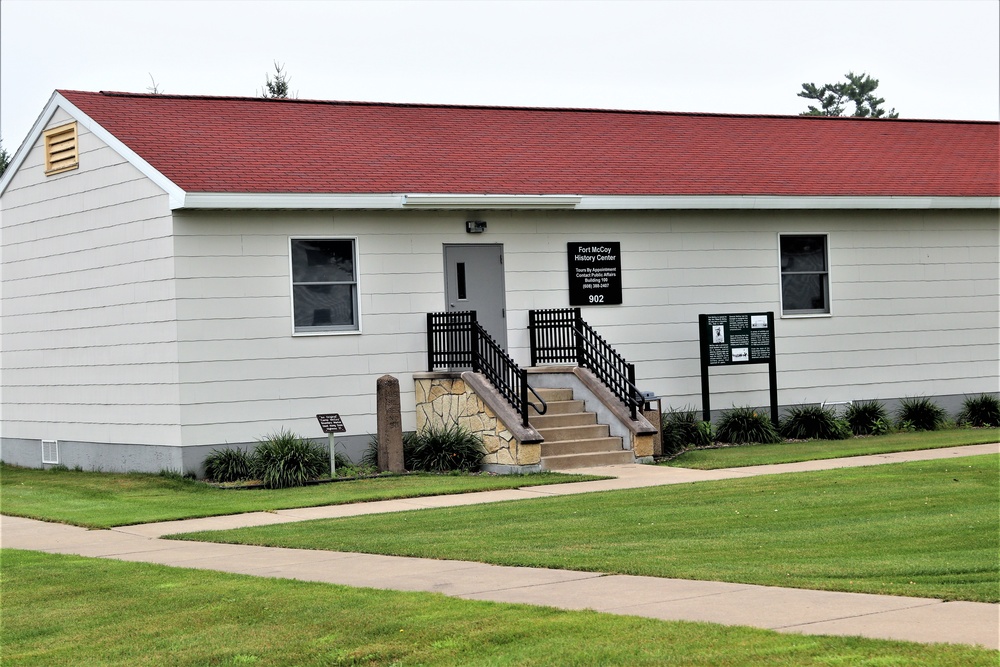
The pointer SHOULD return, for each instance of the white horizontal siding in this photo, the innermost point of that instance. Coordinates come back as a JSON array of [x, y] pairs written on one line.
[[89, 342], [902, 322], [243, 372]]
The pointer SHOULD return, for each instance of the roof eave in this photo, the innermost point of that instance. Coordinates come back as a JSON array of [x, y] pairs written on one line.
[[457, 201]]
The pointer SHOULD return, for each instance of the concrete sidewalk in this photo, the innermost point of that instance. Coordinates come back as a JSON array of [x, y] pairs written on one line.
[[782, 609]]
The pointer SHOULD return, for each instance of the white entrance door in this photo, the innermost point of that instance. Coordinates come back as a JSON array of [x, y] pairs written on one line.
[[474, 281]]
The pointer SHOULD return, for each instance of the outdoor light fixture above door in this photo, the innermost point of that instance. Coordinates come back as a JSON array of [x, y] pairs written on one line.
[[475, 226]]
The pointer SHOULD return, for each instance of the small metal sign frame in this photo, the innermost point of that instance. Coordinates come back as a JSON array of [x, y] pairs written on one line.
[[735, 339], [331, 423]]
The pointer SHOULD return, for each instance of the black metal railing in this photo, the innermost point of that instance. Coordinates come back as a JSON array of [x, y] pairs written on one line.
[[561, 336], [456, 340]]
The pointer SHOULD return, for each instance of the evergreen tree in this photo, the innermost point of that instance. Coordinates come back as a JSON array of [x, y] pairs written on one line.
[[4, 158], [278, 86], [859, 89]]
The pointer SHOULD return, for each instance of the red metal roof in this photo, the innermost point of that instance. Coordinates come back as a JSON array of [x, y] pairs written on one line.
[[252, 145]]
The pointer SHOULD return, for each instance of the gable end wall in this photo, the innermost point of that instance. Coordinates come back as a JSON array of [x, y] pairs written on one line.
[[88, 316]]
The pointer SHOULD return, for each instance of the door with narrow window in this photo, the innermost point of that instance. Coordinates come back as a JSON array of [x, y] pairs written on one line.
[[474, 281]]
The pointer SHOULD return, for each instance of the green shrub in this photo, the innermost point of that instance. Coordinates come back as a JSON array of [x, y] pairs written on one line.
[[227, 465], [813, 422], [370, 458], [443, 449], [919, 414], [342, 461], [681, 429], [868, 418], [744, 426], [283, 459], [982, 410]]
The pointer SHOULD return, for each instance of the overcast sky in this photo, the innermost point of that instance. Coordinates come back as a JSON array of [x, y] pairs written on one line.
[[933, 59]]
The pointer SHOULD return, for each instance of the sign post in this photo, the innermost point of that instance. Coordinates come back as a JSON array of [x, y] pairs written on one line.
[[595, 273], [331, 425], [737, 338]]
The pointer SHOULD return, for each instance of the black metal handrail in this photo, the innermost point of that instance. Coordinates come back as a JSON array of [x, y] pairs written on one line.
[[560, 335], [457, 340]]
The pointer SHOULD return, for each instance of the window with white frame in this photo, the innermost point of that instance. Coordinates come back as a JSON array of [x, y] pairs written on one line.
[[324, 285], [805, 274]]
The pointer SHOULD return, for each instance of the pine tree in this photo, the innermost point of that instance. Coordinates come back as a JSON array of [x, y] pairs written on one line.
[[859, 89], [276, 88], [4, 158]]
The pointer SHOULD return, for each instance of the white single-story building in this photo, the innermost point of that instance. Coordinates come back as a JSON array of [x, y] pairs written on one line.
[[184, 272]]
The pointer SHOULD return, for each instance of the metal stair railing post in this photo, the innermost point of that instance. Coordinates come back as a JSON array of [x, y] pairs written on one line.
[[533, 337], [578, 329], [474, 344], [430, 342], [631, 387], [524, 397]]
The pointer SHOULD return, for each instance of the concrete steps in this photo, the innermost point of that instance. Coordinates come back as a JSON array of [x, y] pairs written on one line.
[[573, 438]]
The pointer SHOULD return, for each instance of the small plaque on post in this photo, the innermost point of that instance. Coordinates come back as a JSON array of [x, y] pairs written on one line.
[[331, 423]]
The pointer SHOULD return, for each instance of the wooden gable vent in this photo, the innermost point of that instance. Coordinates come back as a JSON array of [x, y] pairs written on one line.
[[61, 152]]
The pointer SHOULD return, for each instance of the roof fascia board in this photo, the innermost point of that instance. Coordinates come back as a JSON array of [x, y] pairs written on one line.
[[57, 101], [460, 201], [22, 151], [271, 200], [237, 200], [175, 194], [755, 202]]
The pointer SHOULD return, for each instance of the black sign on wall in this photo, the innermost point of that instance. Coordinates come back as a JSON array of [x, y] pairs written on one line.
[[595, 273], [737, 338]]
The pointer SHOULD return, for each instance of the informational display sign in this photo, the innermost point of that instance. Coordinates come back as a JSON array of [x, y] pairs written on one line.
[[744, 338], [733, 339], [595, 273], [331, 423]]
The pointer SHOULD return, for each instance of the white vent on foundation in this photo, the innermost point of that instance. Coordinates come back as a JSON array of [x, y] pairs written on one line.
[[50, 451]]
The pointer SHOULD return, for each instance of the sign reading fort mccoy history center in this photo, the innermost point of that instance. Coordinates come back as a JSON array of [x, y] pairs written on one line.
[[595, 273]]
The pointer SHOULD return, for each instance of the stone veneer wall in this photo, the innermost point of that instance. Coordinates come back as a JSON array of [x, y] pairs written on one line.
[[447, 399], [642, 447]]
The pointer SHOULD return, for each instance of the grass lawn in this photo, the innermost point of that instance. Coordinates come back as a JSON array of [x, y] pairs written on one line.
[[62, 610], [103, 500], [790, 452], [926, 528]]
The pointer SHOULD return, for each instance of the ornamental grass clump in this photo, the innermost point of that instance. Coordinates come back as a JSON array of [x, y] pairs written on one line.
[[443, 449], [982, 410], [369, 460], [283, 460], [813, 422], [868, 418], [228, 465], [681, 429], [745, 426], [919, 414]]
